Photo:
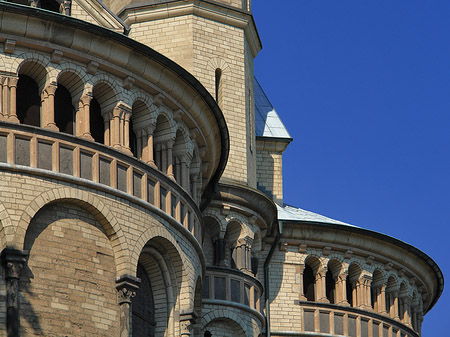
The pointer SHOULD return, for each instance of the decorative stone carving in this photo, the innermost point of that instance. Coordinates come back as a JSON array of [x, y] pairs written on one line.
[[126, 286], [13, 261]]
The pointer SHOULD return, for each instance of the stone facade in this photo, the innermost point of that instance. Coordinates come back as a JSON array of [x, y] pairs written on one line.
[[137, 199]]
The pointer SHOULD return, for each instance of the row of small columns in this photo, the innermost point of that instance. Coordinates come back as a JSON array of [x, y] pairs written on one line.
[[8, 89], [241, 252], [361, 297], [116, 130], [13, 261]]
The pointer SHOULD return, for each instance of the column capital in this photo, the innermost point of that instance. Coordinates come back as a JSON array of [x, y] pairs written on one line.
[[14, 260], [51, 89], [127, 286]]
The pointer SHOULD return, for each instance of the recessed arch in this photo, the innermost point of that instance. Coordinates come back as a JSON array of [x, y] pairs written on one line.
[[94, 206]]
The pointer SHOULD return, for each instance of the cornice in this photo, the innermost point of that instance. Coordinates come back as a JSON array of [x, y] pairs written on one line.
[[211, 10]]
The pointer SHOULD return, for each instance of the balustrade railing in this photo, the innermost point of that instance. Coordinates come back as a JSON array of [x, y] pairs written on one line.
[[44, 150], [329, 319], [231, 285]]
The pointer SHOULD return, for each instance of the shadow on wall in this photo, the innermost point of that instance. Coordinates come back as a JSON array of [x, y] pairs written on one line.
[[69, 276]]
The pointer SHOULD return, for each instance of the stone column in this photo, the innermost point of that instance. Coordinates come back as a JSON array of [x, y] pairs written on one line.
[[48, 107], [299, 271], [85, 117], [107, 117], [126, 286], [406, 307], [177, 169], [320, 286], [341, 290], [169, 171], [116, 126], [382, 300], [13, 261], [12, 112], [126, 131], [394, 305], [363, 286], [67, 7], [149, 147]]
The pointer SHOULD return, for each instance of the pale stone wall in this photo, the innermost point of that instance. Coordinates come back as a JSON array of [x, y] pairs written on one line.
[[128, 227], [270, 173], [68, 284], [201, 46], [172, 37]]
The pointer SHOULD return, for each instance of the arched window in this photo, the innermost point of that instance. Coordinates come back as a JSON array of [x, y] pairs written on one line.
[[97, 128], [132, 139], [218, 83], [309, 283], [349, 291], [330, 286], [64, 110], [28, 102], [51, 5], [143, 307]]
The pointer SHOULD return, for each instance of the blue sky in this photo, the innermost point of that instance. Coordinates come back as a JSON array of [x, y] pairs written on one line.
[[364, 89]]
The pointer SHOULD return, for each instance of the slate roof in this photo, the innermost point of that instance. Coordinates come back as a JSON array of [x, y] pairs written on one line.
[[288, 212], [267, 122]]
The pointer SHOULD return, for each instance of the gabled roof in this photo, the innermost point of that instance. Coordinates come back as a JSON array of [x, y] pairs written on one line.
[[267, 122], [297, 214]]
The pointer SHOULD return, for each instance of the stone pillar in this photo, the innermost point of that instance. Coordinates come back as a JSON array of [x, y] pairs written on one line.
[[321, 295], [341, 290], [12, 111], [67, 7], [116, 126], [169, 172], [107, 117], [363, 285], [85, 117], [299, 271], [406, 307], [177, 169], [48, 107], [150, 155], [126, 131], [394, 306], [126, 286], [382, 300], [13, 261], [185, 161]]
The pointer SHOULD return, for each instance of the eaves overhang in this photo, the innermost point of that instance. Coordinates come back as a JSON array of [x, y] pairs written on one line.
[[208, 9], [385, 238]]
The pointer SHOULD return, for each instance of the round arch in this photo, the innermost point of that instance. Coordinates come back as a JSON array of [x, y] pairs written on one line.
[[94, 206]]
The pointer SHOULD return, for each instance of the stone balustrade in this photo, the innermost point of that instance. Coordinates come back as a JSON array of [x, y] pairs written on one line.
[[324, 319], [67, 158], [223, 285]]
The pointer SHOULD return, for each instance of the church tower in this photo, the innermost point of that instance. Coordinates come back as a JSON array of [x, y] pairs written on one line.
[[216, 41]]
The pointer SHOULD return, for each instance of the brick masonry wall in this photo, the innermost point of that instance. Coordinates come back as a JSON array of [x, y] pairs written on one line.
[[285, 315], [68, 283], [127, 226], [201, 46], [269, 172]]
